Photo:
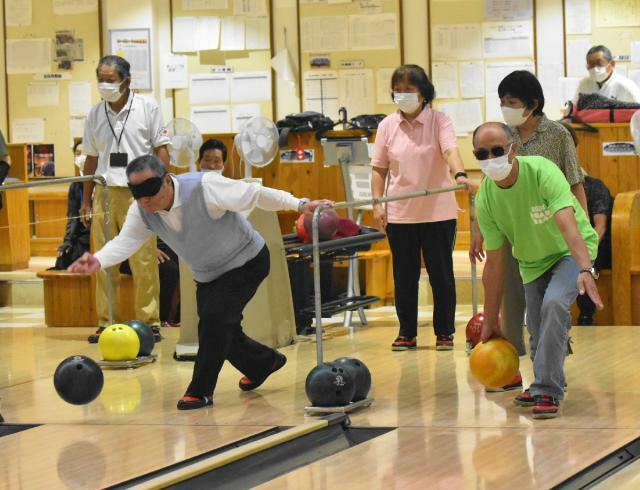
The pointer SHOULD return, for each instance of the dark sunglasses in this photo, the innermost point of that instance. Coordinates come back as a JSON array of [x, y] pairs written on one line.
[[484, 153]]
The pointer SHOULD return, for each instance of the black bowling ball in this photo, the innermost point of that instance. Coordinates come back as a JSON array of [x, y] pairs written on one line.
[[78, 380], [329, 385], [145, 334], [360, 374]]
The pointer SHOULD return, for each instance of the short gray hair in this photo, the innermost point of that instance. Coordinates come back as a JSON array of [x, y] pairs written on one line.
[[145, 162], [600, 48], [507, 130], [121, 65]]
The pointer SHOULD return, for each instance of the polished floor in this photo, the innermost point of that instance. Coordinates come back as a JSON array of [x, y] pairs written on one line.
[[451, 434]]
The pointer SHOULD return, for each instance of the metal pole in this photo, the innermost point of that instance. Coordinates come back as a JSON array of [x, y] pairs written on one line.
[[98, 179], [316, 280], [107, 237], [474, 272], [316, 244]]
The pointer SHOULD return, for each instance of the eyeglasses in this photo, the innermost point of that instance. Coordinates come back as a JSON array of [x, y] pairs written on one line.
[[496, 151]]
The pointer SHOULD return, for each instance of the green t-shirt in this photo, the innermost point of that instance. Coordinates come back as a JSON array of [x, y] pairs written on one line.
[[523, 214]]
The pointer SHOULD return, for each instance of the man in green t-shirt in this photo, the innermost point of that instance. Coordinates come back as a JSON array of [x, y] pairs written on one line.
[[527, 201]]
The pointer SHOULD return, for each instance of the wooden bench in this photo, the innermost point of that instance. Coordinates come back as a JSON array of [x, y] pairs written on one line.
[[625, 273], [619, 287], [70, 299]]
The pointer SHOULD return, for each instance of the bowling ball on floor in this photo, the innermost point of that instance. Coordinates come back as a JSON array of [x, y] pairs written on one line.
[[474, 330], [301, 231], [360, 374], [327, 224], [78, 380], [119, 342], [329, 385], [494, 363], [145, 335]]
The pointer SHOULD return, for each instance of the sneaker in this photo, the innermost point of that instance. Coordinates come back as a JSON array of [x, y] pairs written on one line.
[[189, 402], [444, 342], [545, 407], [247, 384], [93, 338], [514, 384], [585, 321], [404, 343], [524, 399]]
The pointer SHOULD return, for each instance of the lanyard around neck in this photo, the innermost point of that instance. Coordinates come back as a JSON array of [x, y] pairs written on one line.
[[113, 132]]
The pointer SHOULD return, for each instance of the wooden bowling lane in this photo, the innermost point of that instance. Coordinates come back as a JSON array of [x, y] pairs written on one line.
[[458, 458], [94, 456], [423, 388]]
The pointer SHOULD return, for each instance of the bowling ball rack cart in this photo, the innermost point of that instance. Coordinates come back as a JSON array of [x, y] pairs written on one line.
[[337, 250], [130, 364], [317, 249]]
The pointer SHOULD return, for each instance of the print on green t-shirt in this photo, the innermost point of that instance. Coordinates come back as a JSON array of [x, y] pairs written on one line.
[[523, 214]]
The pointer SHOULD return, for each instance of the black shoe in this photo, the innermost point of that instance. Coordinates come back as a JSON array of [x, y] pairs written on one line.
[[585, 321], [189, 402], [93, 338], [247, 384]]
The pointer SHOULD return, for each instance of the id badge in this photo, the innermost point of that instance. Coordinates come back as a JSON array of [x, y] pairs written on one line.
[[118, 159]]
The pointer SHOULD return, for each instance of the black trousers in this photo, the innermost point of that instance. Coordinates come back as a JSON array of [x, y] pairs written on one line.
[[169, 272], [435, 241], [220, 306]]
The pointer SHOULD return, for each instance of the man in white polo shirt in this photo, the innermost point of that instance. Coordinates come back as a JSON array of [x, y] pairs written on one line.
[[604, 80], [122, 127]]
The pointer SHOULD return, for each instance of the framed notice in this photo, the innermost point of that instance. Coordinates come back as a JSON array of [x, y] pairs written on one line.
[[134, 45]]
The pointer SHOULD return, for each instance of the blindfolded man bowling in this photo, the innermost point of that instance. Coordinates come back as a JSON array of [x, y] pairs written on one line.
[[198, 216]]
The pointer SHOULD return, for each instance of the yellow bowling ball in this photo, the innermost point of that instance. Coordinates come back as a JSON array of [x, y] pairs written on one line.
[[119, 342], [494, 363]]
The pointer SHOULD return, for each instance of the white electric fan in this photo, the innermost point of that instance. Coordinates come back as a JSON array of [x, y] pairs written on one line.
[[186, 141], [257, 143]]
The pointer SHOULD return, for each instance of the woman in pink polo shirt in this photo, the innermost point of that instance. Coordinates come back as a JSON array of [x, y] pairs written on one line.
[[416, 149]]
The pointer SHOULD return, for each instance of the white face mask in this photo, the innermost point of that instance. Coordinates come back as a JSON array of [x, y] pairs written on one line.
[[407, 101], [216, 170], [514, 117], [79, 161], [497, 168], [109, 92], [598, 73]]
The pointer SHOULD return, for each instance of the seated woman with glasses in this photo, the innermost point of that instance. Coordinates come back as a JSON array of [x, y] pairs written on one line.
[[522, 104]]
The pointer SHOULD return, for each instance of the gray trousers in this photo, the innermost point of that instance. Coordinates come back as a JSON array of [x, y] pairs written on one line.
[[513, 302], [549, 300]]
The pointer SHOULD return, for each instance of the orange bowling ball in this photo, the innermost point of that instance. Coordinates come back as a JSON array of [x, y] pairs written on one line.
[[494, 363]]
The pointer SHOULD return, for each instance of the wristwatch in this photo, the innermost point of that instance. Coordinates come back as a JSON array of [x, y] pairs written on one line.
[[302, 202], [590, 270], [460, 174]]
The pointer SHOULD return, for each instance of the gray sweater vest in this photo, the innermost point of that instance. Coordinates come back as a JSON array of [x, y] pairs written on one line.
[[209, 246]]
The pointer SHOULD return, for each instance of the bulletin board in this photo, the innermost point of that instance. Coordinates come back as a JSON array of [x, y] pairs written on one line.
[[611, 23], [473, 46], [220, 68], [53, 49], [348, 52]]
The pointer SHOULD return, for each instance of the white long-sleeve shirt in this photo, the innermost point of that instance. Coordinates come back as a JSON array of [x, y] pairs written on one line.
[[221, 195]]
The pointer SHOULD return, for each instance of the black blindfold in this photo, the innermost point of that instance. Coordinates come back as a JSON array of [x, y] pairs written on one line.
[[148, 188]]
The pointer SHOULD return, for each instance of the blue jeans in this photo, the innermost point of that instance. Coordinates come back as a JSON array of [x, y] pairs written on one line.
[[549, 300]]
